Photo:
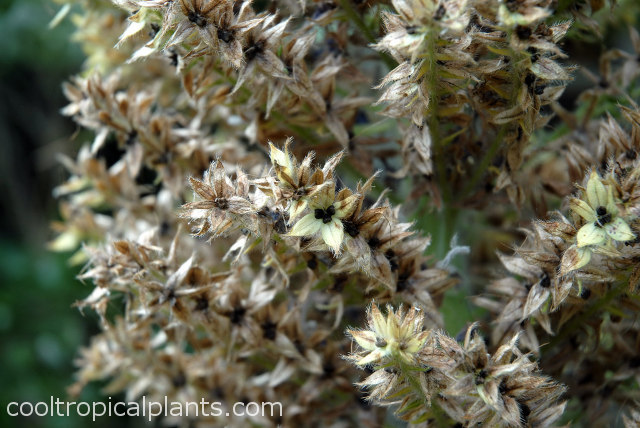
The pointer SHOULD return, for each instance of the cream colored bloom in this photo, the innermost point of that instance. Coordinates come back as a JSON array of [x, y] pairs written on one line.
[[328, 210], [399, 335], [601, 214]]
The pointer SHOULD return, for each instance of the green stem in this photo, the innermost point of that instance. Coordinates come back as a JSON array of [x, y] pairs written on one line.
[[409, 374], [432, 113], [478, 173], [486, 160], [449, 216], [447, 213]]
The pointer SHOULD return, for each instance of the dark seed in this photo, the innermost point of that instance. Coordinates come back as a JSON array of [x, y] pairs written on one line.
[[269, 330], [312, 263], [197, 19], [585, 294], [545, 282], [480, 377], [236, 315], [224, 35], [374, 242], [530, 79], [523, 32], [254, 50], [221, 203], [350, 228], [202, 304]]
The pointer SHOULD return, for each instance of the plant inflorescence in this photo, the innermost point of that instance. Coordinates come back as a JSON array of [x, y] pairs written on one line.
[[263, 177]]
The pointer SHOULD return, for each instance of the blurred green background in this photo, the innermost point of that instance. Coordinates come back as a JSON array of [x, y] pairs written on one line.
[[41, 333]]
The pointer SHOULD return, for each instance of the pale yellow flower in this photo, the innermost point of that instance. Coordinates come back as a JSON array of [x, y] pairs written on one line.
[[328, 210], [601, 214], [398, 335], [298, 182]]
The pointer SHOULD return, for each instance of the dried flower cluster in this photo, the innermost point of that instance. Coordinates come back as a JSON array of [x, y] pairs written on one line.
[[249, 191], [434, 379], [574, 282]]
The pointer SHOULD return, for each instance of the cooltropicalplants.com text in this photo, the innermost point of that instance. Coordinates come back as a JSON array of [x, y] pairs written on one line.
[[145, 408]]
